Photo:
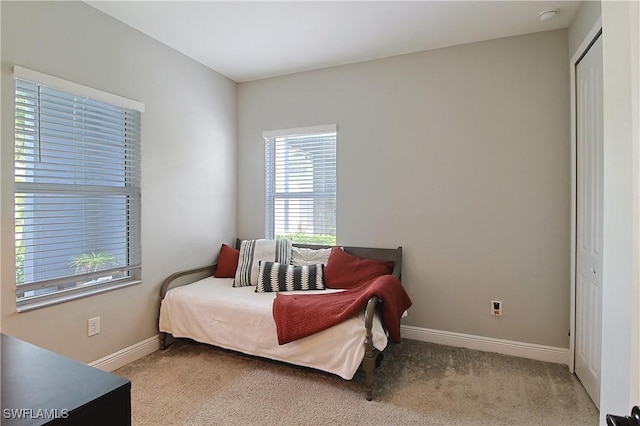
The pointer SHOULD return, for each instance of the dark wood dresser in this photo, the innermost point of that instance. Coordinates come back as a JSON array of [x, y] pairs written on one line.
[[42, 387]]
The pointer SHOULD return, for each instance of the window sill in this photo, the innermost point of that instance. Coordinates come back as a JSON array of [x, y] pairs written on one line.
[[69, 295]]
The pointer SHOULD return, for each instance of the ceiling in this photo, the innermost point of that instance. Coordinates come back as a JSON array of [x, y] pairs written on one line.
[[252, 40]]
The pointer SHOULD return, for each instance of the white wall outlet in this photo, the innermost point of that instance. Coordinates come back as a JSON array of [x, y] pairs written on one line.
[[93, 326], [496, 308]]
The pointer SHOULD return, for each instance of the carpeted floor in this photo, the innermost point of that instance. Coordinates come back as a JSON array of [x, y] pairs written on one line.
[[417, 384]]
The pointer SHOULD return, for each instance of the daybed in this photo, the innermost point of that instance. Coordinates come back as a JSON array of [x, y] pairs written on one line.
[[213, 311]]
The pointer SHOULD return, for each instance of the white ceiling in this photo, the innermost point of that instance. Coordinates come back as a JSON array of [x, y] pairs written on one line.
[[251, 40]]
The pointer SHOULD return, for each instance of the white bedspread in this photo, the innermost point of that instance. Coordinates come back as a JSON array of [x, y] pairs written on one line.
[[212, 311]]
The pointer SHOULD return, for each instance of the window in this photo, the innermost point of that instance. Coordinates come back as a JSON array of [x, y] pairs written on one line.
[[300, 190], [77, 190]]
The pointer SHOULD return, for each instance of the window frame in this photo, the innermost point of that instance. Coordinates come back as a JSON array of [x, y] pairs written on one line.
[[130, 190], [270, 181]]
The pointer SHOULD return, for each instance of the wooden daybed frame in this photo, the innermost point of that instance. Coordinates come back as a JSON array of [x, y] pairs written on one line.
[[372, 356]]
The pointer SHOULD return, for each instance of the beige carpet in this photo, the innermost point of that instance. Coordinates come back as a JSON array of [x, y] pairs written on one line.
[[417, 384]]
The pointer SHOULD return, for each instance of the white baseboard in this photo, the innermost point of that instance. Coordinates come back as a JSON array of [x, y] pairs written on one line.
[[128, 355], [488, 344], [449, 338]]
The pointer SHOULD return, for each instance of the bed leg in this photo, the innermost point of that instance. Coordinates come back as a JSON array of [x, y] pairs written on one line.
[[368, 367], [369, 361], [163, 341]]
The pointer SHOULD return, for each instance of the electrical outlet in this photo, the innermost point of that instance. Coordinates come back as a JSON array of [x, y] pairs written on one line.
[[496, 308], [93, 326]]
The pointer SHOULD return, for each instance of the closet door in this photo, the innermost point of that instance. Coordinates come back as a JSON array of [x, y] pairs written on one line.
[[589, 131]]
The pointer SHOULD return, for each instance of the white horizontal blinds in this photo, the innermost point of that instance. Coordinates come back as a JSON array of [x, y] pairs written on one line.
[[301, 185], [77, 190]]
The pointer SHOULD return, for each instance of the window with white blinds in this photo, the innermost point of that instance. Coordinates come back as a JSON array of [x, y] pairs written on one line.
[[77, 191], [300, 190]]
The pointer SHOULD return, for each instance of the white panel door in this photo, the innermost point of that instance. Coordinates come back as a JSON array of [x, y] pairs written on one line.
[[589, 118]]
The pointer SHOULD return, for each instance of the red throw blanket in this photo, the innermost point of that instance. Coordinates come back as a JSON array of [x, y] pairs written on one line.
[[298, 315]]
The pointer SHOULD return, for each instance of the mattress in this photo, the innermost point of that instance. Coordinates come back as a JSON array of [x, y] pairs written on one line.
[[212, 311]]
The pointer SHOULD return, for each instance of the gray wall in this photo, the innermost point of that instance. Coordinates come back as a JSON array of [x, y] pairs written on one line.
[[188, 164], [585, 19], [462, 156]]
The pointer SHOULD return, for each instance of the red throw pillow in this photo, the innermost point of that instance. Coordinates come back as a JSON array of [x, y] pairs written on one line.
[[344, 270], [227, 262]]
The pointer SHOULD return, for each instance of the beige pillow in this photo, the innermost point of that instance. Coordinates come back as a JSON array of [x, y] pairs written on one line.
[[306, 256]]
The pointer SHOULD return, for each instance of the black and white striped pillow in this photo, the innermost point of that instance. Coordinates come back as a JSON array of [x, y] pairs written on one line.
[[275, 276], [254, 251]]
